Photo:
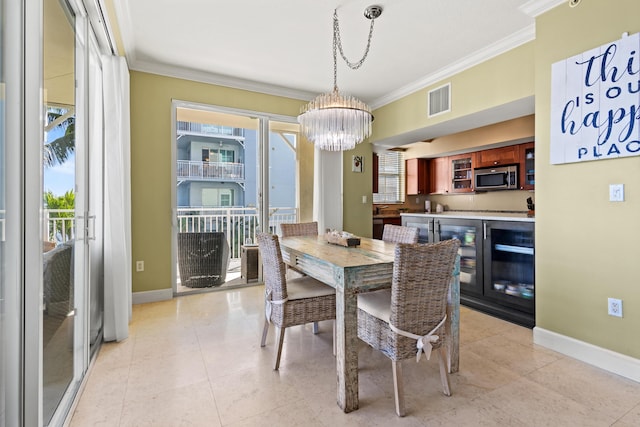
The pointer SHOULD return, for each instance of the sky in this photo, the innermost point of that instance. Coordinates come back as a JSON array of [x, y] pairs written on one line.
[[59, 178]]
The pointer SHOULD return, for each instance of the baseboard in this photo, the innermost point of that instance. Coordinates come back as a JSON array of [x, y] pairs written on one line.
[[608, 360], [151, 296]]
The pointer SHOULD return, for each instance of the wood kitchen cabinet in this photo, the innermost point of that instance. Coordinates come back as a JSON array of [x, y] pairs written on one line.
[[461, 173], [375, 173], [527, 166], [440, 178], [417, 175], [498, 157]]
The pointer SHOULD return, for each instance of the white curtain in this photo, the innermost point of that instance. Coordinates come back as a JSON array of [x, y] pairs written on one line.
[[327, 190], [117, 199]]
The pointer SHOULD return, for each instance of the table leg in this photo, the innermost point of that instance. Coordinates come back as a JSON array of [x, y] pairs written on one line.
[[347, 349]]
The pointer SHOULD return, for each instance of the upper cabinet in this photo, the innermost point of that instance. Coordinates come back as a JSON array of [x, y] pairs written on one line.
[[527, 166], [440, 178], [417, 176], [498, 156], [461, 173]]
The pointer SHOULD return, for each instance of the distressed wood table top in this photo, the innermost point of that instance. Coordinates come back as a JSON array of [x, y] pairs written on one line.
[[369, 252]]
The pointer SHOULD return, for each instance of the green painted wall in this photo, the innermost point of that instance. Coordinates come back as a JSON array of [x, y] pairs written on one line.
[[356, 216], [151, 148], [586, 246], [498, 81]]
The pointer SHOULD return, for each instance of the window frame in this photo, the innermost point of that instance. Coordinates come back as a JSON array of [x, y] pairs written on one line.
[[391, 178]]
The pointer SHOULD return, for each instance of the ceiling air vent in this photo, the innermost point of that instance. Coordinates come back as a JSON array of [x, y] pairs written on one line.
[[439, 100]]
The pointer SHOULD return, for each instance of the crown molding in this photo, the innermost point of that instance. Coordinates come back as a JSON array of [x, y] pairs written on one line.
[[220, 80], [534, 8], [514, 40]]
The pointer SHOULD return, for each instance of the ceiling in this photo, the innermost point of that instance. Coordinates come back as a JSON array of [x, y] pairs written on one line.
[[284, 47]]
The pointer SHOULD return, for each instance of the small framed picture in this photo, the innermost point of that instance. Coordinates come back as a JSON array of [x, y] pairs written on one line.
[[356, 163]]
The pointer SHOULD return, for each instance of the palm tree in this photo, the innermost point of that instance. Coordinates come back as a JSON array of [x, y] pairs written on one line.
[[59, 150], [65, 202]]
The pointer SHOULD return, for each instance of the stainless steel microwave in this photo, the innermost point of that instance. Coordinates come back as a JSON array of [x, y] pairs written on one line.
[[498, 178]]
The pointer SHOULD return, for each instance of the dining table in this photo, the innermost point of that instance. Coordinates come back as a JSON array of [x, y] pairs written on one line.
[[352, 270]]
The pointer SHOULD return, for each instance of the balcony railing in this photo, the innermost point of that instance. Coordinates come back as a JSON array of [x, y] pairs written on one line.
[[207, 129], [239, 224], [59, 225], [190, 169]]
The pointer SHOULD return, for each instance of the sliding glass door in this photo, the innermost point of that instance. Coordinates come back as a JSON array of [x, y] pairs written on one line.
[[72, 171], [236, 174], [50, 207], [63, 251]]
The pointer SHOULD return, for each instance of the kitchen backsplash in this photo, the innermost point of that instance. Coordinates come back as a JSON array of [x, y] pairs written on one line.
[[512, 200]]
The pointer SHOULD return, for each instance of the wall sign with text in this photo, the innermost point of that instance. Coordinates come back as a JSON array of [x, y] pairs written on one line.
[[595, 103]]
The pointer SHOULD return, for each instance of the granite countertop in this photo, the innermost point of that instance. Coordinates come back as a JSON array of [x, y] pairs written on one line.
[[387, 215], [488, 215]]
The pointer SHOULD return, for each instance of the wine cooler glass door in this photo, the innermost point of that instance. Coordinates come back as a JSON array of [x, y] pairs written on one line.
[[509, 262]]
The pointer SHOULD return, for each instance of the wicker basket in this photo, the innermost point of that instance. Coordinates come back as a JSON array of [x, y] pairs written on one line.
[[203, 259], [342, 239]]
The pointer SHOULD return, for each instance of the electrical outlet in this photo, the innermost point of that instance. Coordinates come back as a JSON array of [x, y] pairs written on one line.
[[139, 265], [615, 307]]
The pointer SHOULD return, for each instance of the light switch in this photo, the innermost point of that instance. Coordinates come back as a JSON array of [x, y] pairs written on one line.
[[616, 192]]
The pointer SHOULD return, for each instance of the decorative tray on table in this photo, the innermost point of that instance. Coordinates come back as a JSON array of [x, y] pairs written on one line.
[[342, 238]]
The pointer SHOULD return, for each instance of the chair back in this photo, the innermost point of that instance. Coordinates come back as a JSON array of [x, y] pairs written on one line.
[[400, 234], [421, 277], [274, 270], [58, 279], [299, 229]]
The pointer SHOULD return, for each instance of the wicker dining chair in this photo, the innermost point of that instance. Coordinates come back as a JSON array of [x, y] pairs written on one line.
[[299, 229], [290, 229], [399, 234], [411, 315], [290, 302]]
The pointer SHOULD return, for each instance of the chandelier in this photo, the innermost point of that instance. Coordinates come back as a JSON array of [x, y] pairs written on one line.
[[333, 121]]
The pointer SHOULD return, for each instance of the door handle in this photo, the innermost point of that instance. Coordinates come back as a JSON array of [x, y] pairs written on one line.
[[91, 232]]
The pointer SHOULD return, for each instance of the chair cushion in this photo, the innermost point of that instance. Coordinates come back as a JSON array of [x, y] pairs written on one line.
[[307, 287], [377, 304]]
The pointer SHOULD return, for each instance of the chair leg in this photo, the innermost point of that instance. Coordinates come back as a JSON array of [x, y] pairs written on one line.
[[315, 328], [265, 330], [280, 342], [398, 387], [444, 371]]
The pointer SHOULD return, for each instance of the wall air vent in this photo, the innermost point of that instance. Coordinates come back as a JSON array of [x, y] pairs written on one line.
[[439, 100]]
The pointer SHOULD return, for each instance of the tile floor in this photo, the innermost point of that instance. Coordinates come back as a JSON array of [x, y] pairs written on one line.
[[196, 361]]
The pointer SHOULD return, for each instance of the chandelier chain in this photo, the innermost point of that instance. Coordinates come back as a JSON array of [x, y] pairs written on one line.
[[337, 45]]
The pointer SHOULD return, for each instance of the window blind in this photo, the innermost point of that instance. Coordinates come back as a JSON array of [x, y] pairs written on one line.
[[390, 178]]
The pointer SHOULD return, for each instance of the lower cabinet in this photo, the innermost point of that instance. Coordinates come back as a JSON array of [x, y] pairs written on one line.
[[496, 263]]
